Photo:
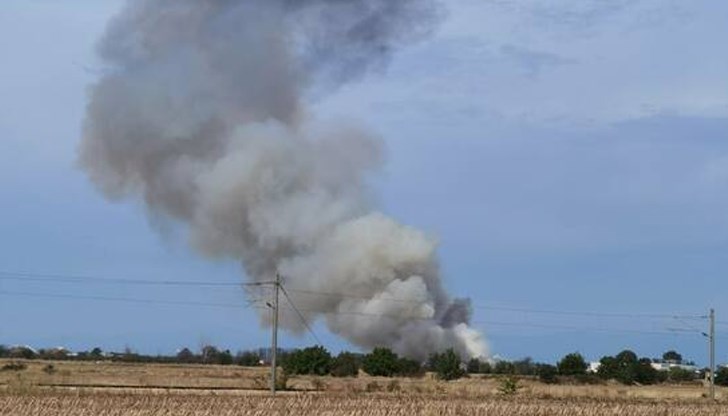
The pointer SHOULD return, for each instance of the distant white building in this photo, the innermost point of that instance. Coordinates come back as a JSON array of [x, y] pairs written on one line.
[[593, 367], [668, 366]]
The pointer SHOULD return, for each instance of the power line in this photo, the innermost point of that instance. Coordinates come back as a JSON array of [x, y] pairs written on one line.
[[667, 331], [592, 314], [510, 309], [64, 278], [125, 299], [300, 315]]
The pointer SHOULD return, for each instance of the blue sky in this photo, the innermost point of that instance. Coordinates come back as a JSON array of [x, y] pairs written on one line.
[[569, 156]]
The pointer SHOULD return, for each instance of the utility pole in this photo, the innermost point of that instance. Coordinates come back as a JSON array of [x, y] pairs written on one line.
[[274, 335], [712, 354]]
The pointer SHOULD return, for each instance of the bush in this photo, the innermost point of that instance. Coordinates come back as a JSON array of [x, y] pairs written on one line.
[[504, 367], [186, 356], [373, 387], [319, 384], [393, 386], [721, 376], [509, 386], [473, 366], [247, 359], [677, 375], [447, 365], [22, 352], [345, 364], [524, 367], [485, 368], [381, 362], [409, 368], [14, 366], [312, 360], [626, 368], [672, 356], [572, 364], [547, 373]]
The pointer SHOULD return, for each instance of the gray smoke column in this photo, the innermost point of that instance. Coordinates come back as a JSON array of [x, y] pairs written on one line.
[[202, 113]]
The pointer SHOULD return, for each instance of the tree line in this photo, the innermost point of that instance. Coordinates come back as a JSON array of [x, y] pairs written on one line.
[[625, 367]]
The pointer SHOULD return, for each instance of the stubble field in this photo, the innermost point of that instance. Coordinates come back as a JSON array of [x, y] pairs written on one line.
[[116, 389]]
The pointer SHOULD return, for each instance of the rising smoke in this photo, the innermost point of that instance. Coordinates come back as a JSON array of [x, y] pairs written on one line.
[[202, 113]]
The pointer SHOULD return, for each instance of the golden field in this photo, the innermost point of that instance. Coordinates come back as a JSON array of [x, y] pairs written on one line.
[[104, 388]]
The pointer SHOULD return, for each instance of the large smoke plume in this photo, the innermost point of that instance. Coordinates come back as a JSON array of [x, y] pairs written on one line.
[[202, 113]]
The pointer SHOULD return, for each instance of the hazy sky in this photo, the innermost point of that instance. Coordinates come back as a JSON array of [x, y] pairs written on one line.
[[570, 156]]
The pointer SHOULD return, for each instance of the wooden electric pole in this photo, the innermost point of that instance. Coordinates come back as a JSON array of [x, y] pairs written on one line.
[[274, 335]]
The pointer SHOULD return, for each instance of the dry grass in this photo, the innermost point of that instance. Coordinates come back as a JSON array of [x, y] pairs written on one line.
[[110, 389], [106, 404]]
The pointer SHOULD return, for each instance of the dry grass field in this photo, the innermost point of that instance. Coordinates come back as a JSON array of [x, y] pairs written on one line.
[[147, 404], [101, 389]]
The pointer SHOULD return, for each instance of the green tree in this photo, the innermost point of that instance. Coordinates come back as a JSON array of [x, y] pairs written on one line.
[[185, 356], [572, 365], [447, 365], [314, 360], [677, 375], [247, 359], [672, 356], [547, 373], [524, 367], [210, 354], [644, 373], [626, 368], [225, 358], [381, 362], [346, 364], [22, 352], [473, 366], [485, 368], [721, 376], [504, 367], [409, 368]]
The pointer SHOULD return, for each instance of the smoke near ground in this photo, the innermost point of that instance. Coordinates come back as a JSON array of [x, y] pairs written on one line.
[[202, 113]]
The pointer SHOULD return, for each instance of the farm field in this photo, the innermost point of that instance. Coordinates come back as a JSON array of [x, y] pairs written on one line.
[[105, 388], [149, 404]]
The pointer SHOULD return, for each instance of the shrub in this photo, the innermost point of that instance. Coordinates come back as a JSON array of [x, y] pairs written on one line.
[[247, 359], [572, 364], [186, 356], [312, 360], [447, 365], [373, 387], [626, 368], [672, 356], [393, 386], [485, 368], [14, 366], [504, 367], [345, 364], [318, 384], [524, 367], [409, 368], [677, 375], [509, 386], [381, 362], [473, 366], [721, 376], [547, 373]]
